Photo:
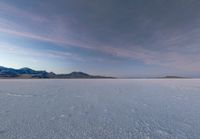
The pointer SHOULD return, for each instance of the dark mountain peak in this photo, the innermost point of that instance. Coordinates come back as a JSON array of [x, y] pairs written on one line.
[[1, 67], [75, 74], [172, 76], [25, 68], [78, 73]]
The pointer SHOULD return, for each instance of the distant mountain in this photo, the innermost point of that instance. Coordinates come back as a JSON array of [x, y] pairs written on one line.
[[23, 73], [79, 75], [30, 73], [173, 77]]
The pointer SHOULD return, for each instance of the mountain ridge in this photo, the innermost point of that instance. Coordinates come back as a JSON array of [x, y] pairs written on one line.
[[29, 73]]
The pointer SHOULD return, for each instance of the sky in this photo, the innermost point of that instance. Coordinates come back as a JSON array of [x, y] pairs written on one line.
[[123, 38]]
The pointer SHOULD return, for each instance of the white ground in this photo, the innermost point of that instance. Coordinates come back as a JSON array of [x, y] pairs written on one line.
[[100, 109]]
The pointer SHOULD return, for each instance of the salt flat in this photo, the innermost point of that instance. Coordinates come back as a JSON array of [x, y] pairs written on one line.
[[100, 109]]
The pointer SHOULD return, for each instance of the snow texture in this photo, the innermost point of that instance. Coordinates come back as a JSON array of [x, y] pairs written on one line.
[[100, 109]]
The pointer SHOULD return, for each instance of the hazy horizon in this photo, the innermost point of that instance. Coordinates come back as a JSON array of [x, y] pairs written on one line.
[[132, 38]]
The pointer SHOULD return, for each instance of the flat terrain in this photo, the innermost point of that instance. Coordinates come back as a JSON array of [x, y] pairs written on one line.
[[100, 109]]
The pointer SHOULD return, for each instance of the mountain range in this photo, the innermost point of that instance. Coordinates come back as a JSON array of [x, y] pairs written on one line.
[[28, 73]]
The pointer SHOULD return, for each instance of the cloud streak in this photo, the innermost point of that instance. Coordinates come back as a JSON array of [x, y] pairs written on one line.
[[12, 10]]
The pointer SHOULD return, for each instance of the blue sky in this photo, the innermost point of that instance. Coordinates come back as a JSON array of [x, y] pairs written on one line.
[[107, 37]]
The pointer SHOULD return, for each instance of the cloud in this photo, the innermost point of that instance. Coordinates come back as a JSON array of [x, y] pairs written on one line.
[[12, 10], [169, 59], [48, 29], [153, 39], [26, 51]]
